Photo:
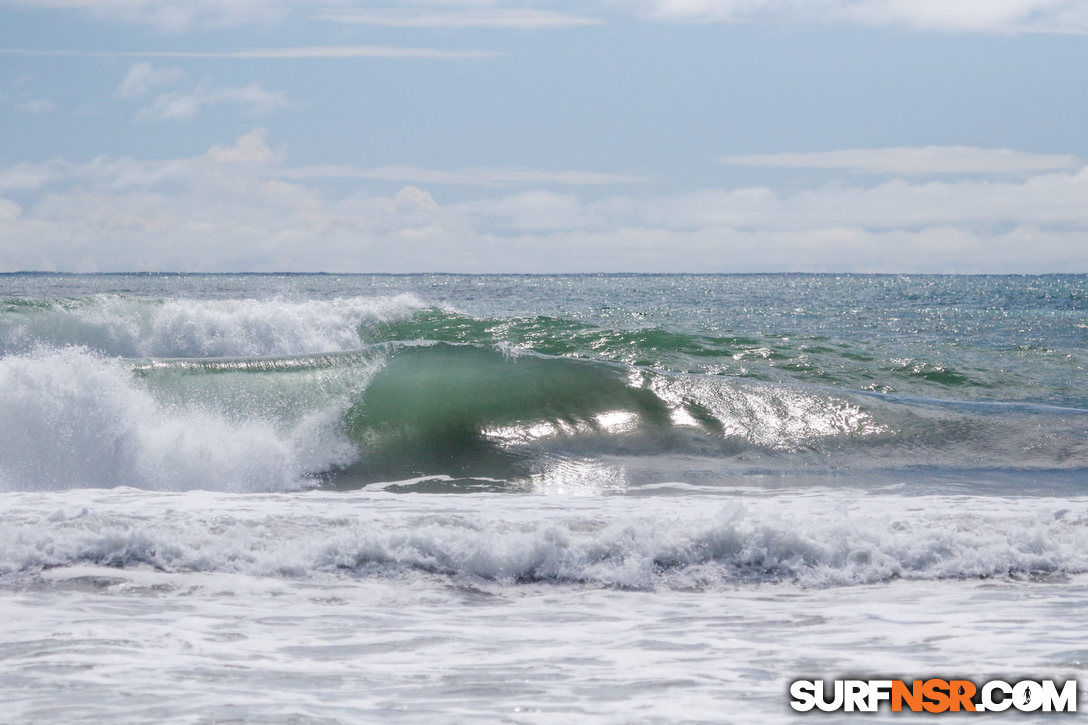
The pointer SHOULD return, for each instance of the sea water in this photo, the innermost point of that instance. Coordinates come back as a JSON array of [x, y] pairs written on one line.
[[320, 498]]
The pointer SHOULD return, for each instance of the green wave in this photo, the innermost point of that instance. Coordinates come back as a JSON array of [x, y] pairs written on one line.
[[773, 356], [461, 410]]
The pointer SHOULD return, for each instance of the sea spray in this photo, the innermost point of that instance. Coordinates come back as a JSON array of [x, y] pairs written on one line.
[[70, 418]]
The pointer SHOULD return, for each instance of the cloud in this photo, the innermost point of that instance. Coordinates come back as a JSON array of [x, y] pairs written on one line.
[[1002, 16], [170, 15], [26, 177], [915, 161], [9, 210], [241, 207], [357, 51], [1055, 199], [24, 99], [250, 148], [290, 52], [177, 105], [35, 105], [491, 17], [142, 78], [530, 211], [177, 15], [463, 177]]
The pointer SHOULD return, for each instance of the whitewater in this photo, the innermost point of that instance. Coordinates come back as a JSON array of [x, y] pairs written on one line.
[[599, 498]]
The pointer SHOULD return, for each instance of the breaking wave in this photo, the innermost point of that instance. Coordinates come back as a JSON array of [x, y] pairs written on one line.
[[70, 418], [812, 540], [139, 327], [273, 395]]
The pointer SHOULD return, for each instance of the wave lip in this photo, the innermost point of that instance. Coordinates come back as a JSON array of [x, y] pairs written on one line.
[[186, 328]]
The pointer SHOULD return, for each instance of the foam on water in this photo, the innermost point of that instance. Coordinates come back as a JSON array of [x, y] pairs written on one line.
[[140, 327], [70, 418], [815, 539]]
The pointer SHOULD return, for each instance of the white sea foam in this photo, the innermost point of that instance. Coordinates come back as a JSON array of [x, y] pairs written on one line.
[[70, 418], [816, 539], [187, 607], [133, 327]]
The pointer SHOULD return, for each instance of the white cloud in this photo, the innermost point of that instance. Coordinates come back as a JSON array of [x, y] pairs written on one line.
[[490, 17], [177, 15], [171, 15], [24, 99], [26, 177], [9, 210], [290, 52], [846, 249], [463, 177], [178, 105], [248, 149], [238, 207], [142, 78], [1054, 199], [351, 51], [981, 15], [35, 105], [1004, 16], [533, 176], [915, 161], [530, 211]]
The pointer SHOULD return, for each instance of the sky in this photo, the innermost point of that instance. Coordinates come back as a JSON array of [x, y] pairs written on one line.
[[894, 136]]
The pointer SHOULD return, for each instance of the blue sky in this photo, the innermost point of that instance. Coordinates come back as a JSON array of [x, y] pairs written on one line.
[[491, 136]]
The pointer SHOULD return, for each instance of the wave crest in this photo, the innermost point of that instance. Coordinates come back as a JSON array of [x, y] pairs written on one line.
[[135, 327], [70, 418], [812, 540]]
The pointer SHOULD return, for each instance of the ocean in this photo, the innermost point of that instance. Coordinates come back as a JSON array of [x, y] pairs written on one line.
[[598, 498]]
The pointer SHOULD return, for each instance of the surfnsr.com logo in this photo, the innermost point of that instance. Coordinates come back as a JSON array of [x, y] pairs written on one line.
[[933, 695]]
